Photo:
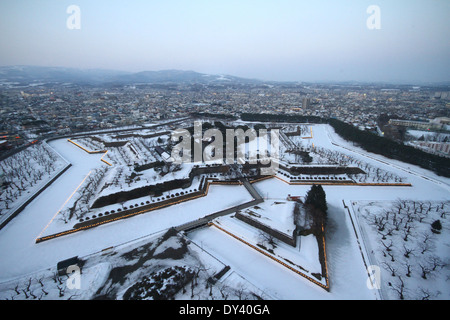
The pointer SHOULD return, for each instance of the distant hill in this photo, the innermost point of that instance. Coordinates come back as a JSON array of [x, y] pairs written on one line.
[[24, 74], [35, 74], [16, 76], [178, 76]]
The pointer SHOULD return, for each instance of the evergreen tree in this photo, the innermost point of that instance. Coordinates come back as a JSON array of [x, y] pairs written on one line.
[[436, 226], [316, 208], [317, 198]]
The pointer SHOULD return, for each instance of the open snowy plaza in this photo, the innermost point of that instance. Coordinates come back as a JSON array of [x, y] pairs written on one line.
[[141, 228]]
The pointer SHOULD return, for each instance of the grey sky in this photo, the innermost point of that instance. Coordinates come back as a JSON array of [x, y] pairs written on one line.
[[271, 40]]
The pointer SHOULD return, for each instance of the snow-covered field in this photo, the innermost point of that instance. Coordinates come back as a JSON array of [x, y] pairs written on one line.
[[348, 255], [412, 256], [276, 214], [303, 258], [25, 174]]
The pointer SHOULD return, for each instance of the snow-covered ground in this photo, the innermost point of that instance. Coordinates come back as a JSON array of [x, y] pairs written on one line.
[[279, 215], [20, 255], [304, 258], [402, 243], [347, 252], [26, 173]]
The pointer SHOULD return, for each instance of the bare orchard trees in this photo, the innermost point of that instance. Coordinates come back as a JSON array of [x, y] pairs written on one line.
[[39, 287], [372, 174], [80, 203], [407, 246], [26, 169]]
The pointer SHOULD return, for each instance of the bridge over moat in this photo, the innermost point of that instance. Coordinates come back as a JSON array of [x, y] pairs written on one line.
[[205, 220]]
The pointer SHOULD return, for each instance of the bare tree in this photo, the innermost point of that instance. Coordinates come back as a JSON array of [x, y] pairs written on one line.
[[425, 270], [390, 268], [435, 262], [406, 232], [399, 288], [381, 225], [29, 284], [426, 244], [387, 247], [32, 295], [61, 291], [40, 282], [72, 296], [16, 289], [408, 269], [407, 251], [389, 231], [192, 288], [241, 292], [383, 236], [399, 205], [44, 292], [425, 294], [392, 256], [223, 289]]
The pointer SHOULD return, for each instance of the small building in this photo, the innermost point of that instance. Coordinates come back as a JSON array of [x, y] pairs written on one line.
[[163, 154], [424, 125], [293, 198]]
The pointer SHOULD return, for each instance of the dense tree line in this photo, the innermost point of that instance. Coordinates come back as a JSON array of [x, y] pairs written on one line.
[[367, 140], [392, 149], [213, 115], [264, 117]]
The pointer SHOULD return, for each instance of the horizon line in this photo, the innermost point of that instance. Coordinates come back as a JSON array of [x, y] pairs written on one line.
[[323, 81]]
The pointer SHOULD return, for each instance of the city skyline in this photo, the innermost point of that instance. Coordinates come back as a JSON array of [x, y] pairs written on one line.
[[282, 41]]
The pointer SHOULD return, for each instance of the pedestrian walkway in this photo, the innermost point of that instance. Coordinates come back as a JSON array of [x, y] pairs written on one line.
[[205, 220]]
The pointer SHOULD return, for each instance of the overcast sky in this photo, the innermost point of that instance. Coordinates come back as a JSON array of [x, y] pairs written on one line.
[[270, 40]]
